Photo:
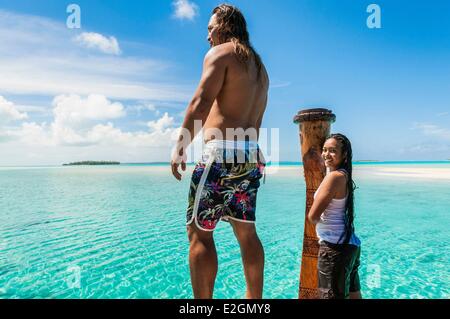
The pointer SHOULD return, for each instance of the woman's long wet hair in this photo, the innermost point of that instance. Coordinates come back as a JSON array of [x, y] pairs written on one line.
[[233, 27], [346, 148]]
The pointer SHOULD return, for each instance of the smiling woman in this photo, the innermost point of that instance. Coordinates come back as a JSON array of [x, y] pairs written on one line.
[[333, 213]]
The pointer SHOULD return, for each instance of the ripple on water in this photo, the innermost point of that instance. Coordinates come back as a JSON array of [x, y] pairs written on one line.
[[124, 231]]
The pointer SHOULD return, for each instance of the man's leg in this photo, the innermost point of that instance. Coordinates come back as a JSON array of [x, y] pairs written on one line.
[[202, 262], [252, 257]]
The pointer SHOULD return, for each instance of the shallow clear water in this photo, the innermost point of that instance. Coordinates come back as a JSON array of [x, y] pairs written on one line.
[[121, 229]]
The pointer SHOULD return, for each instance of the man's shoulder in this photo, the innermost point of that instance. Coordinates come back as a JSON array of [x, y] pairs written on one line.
[[220, 52]]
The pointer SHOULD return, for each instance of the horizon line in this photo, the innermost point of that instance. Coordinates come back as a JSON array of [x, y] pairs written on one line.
[[269, 163]]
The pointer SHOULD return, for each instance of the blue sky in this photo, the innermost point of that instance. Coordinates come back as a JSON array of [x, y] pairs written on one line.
[[117, 88]]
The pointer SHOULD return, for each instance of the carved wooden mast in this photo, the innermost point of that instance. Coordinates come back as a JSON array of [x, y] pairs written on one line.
[[314, 125]]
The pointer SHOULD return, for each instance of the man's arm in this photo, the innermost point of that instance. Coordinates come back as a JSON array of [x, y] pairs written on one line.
[[212, 80]]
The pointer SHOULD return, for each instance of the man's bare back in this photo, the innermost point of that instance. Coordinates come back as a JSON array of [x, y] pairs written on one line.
[[242, 99], [231, 95]]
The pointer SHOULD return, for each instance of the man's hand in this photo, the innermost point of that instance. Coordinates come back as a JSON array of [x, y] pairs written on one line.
[[177, 160]]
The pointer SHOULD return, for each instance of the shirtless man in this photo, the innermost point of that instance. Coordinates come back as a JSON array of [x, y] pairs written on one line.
[[231, 96]]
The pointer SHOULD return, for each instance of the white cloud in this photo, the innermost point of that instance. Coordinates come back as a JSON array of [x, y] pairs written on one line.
[[103, 142], [9, 112], [426, 151], [34, 134], [77, 133], [39, 60], [162, 124], [73, 111], [280, 84], [150, 107], [74, 117], [433, 130], [32, 109], [138, 108], [109, 135], [98, 41], [185, 9], [38, 57]]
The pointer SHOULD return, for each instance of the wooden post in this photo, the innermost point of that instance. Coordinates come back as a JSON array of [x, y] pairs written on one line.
[[314, 125]]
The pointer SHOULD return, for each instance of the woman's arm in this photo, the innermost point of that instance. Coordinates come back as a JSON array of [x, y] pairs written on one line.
[[327, 192]]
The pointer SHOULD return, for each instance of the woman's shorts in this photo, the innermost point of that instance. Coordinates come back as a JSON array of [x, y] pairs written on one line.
[[338, 270]]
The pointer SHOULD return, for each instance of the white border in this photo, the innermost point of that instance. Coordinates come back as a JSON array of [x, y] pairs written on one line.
[[198, 194]]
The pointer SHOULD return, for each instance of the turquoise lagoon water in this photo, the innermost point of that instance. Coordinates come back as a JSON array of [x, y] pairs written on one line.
[[120, 231]]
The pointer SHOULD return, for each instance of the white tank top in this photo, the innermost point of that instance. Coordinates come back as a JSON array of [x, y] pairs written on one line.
[[331, 226]]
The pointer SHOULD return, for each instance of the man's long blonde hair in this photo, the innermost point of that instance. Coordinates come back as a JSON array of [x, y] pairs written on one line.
[[233, 27]]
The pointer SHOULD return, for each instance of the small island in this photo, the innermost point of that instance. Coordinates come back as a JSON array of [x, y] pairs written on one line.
[[92, 163]]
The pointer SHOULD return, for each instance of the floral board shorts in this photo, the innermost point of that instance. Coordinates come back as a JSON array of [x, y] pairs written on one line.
[[224, 184]]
